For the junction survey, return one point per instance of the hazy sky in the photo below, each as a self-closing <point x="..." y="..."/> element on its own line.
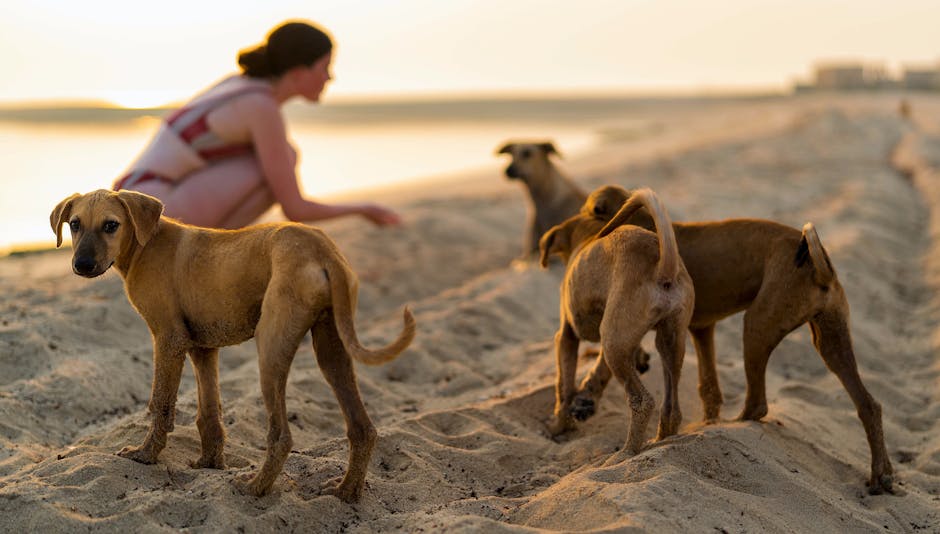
<point x="151" y="53"/>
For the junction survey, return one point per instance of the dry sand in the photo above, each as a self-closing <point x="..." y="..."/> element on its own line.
<point x="461" y="414"/>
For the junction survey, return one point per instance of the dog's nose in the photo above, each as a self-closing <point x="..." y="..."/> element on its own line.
<point x="511" y="171"/>
<point x="84" y="265"/>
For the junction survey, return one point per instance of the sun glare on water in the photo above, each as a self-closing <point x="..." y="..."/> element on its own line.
<point x="141" y="99"/>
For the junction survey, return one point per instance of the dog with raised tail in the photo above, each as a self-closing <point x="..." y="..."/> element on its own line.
<point x="200" y="289"/>
<point x="616" y="288"/>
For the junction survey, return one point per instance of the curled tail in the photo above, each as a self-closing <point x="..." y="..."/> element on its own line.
<point x="667" y="269"/>
<point x="342" y="293"/>
<point x="824" y="273"/>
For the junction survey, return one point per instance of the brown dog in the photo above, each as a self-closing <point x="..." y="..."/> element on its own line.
<point x="616" y="289"/>
<point x="783" y="278"/>
<point x="200" y="289"/>
<point x="552" y="197"/>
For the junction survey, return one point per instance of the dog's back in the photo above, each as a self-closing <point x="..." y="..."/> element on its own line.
<point x="728" y="259"/>
<point x="605" y="272"/>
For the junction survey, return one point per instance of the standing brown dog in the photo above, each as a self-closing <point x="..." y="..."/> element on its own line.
<point x="552" y="196"/>
<point x="616" y="289"/>
<point x="783" y="278"/>
<point x="201" y="289"/>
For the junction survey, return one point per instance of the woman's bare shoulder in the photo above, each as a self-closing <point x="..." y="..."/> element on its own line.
<point x="260" y="103"/>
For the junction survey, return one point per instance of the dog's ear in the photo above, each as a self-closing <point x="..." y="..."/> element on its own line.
<point x="59" y="215"/>
<point x="144" y="212"/>
<point x="506" y="149"/>
<point x="549" y="148"/>
<point x="604" y="202"/>
<point x="548" y="245"/>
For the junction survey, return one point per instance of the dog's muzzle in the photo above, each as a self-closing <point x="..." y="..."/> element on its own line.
<point x="512" y="173"/>
<point x="87" y="267"/>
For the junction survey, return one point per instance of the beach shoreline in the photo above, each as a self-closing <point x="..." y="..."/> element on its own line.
<point x="348" y="151"/>
<point x="461" y="414"/>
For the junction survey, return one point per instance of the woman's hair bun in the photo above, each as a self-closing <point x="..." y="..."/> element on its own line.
<point x="254" y="62"/>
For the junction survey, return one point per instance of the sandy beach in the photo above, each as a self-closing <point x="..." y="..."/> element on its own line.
<point x="461" y="414"/>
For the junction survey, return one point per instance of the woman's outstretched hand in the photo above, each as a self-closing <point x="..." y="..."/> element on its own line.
<point x="379" y="215"/>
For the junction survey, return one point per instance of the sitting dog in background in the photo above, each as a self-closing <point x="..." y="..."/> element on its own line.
<point x="553" y="198"/>
<point x="781" y="278"/>
<point x="200" y="289"/>
<point x="617" y="288"/>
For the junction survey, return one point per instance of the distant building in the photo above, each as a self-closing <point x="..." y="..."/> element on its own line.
<point x="844" y="77"/>
<point x="849" y="77"/>
<point x="859" y="76"/>
<point x="921" y="79"/>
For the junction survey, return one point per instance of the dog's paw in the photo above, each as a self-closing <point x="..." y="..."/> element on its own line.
<point x="559" y="425"/>
<point x="345" y="492"/>
<point x="139" y="454"/>
<point x="582" y="408"/>
<point x="712" y="414"/>
<point x="881" y="484"/>
<point x="249" y="485"/>
<point x="215" y="462"/>
<point x="753" y="413"/>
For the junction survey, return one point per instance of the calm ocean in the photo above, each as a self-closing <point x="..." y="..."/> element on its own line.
<point x="51" y="153"/>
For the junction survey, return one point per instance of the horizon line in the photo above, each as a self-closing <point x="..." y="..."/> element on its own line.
<point x="432" y="96"/>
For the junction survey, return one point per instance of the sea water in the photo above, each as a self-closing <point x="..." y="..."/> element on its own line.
<point x="50" y="154"/>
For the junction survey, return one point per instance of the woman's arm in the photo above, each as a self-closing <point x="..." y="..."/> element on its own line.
<point x="278" y="165"/>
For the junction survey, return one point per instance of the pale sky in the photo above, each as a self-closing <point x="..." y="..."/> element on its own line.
<point x="152" y="53"/>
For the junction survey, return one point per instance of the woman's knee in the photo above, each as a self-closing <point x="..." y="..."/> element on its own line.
<point x="206" y="197"/>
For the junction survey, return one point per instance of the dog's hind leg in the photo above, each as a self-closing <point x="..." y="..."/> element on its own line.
<point x="277" y="337"/>
<point x="670" y="342"/>
<point x="337" y="368"/>
<point x="708" y="388"/>
<point x="209" y="418"/>
<point x="167" y="370"/>
<point x="566" y="362"/>
<point x="619" y="351"/>
<point x="834" y="343"/>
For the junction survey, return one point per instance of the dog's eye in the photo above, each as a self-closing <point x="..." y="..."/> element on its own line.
<point x="75" y="225"/>
<point x="526" y="153"/>
<point x="110" y="227"/>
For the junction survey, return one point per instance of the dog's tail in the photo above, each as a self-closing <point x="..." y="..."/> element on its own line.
<point x="343" y="295"/>
<point x="824" y="273"/>
<point x="668" y="268"/>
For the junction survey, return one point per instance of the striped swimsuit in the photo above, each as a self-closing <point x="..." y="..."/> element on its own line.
<point x="190" y="124"/>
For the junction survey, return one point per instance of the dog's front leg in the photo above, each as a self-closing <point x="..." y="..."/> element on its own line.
<point x="708" y="388"/>
<point x="167" y="369"/>
<point x="566" y="354"/>
<point x="530" y="245"/>
<point x="209" y="417"/>
<point x="584" y="405"/>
